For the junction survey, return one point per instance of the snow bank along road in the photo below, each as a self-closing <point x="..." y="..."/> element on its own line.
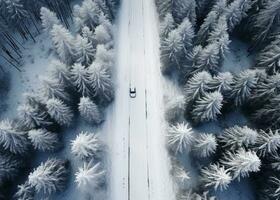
<point x="139" y="162"/>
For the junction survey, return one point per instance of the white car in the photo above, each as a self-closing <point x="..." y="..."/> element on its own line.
<point x="132" y="92"/>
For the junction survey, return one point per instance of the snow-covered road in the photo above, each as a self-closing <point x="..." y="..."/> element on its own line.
<point x="139" y="160"/>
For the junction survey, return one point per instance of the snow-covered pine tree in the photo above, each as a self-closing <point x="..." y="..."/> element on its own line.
<point x="179" y="173"/>
<point x="12" y="140"/>
<point x="215" y="176"/>
<point x="61" y="72"/>
<point x="87" y="146"/>
<point x="204" y="145"/>
<point x="31" y="116"/>
<point x="190" y="195"/>
<point x="180" y="137"/>
<point x="172" y="50"/>
<point x="273" y="190"/>
<point x="101" y="35"/>
<point x="242" y="87"/>
<point x="88" y="34"/>
<point x="63" y="43"/>
<point x="166" y="26"/>
<point x="241" y="163"/>
<point x="101" y="82"/>
<point x="49" y="177"/>
<point x="270" y="113"/>
<point x="103" y="55"/>
<point x="197" y="86"/>
<point x="186" y="31"/>
<point x="269" y="57"/>
<point x="202" y="8"/>
<point x="208" y="59"/>
<point x="84" y="51"/>
<point x="60" y="112"/>
<point x="81" y="79"/>
<point x="52" y="88"/>
<point x="236" y="11"/>
<point x="48" y="18"/>
<point x="90" y="176"/>
<point x="174" y="102"/>
<point x="210" y="21"/>
<point x="266" y="22"/>
<point x="268" y="142"/>
<point x="274" y="161"/>
<point x="207" y="107"/>
<point x="9" y="167"/>
<point x="182" y="9"/>
<point x="113" y="5"/>
<point x="266" y="89"/>
<point x="219" y="30"/>
<point x="86" y="15"/>
<point x="222" y="82"/>
<point x="237" y="137"/>
<point x="43" y="140"/>
<point x="90" y="111"/>
<point x="190" y="61"/>
<point x="25" y="192"/>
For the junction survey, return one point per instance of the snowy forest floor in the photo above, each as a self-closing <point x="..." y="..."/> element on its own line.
<point x="35" y="62"/>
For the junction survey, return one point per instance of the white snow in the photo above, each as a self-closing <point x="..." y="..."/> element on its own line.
<point x="135" y="127"/>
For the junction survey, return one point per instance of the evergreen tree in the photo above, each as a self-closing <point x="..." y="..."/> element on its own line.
<point x="90" y="176"/>
<point x="113" y="5"/>
<point x="208" y="59"/>
<point x="101" y="35"/>
<point x="43" y="140"/>
<point x="59" y="111"/>
<point x="197" y="86"/>
<point x="207" y="107"/>
<point x="84" y="51"/>
<point x="166" y="26"/>
<point x="63" y="43"/>
<point x="103" y="55"/>
<point x="266" y="22"/>
<point x="172" y="49"/>
<point x="81" y="79"/>
<point x="243" y="85"/>
<point x="87" y="146"/>
<point x="90" y="111"/>
<point x="216" y="176"/>
<point x="190" y="195"/>
<point x="180" y="137"/>
<point x="210" y="22"/>
<point x="25" y="192"/>
<point x="266" y="89"/>
<point x="60" y="71"/>
<point x="237" y="137"/>
<point x="273" y="190"/>
<point x="49" y="177"/>
<point x="241" y="163"/>
<point x="270" y="113"/>
<point x="9" y="167"/>
<point x="52" y="88"/>
<point x="186" y="31"/>
<point x="88" y="34"/>
<point x="12" y="140"/>
<point x="222" y="82"/>
<point x="179" y="173"/>
<point x="269" y="57"/>
<point x="184" y="9"/>
<point x="236" y="11"/>
<point x="205" y="145"/>
<point x="101" y="82"/>
<point x="268" y="142"/>
<point x="86" y="15"/>
<point x="48" y="18"/>
<point x="32" y="116"/>
<point x="174" y="102"/>
<point x="219" y="30"/>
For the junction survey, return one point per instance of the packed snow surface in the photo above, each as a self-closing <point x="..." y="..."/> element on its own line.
<point x="135" y="126"/>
